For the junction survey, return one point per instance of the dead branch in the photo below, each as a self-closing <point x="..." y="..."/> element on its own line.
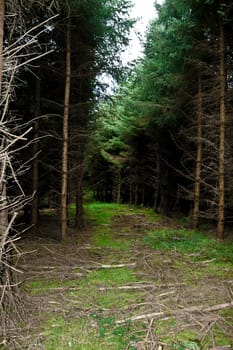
<point x="16" y="55"/>
<point x="115" y="266"/>
<point x="191" y="309"/>
<point x="224" y="347"/>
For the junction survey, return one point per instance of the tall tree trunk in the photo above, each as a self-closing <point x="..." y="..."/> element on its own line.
<point x="64" y="182"/>
<point x="136" y="193"/>
<point x="143" y="195"/>
<point x="3" y="189"/>
<point x="196" y="204"/>
<point x="118" y="197"/>
<point x="2" y="11"/>
<point x="221" y="203"/>
<point x="136" y="185"/>
<point x="79" y="198"/>
<point x="116" y="191"/>
<point x="156" y="190"/>
<point x="35" y="168"/>
<point x="130" y="191"/>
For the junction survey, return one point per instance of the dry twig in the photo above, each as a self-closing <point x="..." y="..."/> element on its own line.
<point x="161" y="314"/>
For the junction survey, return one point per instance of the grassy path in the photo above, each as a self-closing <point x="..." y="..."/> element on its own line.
<point x="133" y="282"/>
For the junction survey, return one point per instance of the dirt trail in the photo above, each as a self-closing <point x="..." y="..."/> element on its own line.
<point x="155" y="299"/>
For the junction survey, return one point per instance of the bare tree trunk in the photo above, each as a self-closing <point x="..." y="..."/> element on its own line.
<point x="156" y="192"/>
<point x="3" y="197"/>
<point x="64" y="186"/>
<point x="79" y="198"/>
<point x="35" y="168"/>
<point x="221" y="203"/>
<point x="10" y="167"/>
<point x="143" y="195"/>
<point x="2" y="11"/>
<point x="136" y="185"/>
<point x="130" y="192"/>
<point x="136" y="194"/>
<point x="118" y="185"/>
<point x="3" y="200"/>
<point x="196" y="206"/>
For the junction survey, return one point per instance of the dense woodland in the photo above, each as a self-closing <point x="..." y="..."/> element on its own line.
<point x="162" y="139"/>
<point x="156" y="133"/>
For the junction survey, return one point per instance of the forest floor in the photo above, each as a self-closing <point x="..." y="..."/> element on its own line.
<point x="131" y="280"/>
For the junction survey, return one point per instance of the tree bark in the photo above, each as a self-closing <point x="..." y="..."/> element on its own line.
<point x="119" y="186"/>
<point x="35" y="167"/>
<point x="130" y="191"/>
<point x="196" y="204"/>
<point x="79" y="198"/>
<point x="221" y="201"/>
<point x="3" y="187"/>
<point x="64" y="182"/>
<point x="2" y="11"/>
<point x="156" y="190"/>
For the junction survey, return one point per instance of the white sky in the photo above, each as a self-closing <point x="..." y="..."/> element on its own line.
<point x="145" y="11"/>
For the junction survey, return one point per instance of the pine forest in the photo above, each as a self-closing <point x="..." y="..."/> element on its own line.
<point x="116" y="190"/>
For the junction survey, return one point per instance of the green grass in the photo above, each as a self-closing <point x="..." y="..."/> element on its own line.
<point x="190" y="242"/>
<point x="94" y="301"/>
<point x="93" y="333"/>
<point x="176" y="338"/>
<point x="150" y="214"/>
<point x="96" y="331"/>
<point x="42" y="286"/>
<point x="61" y="334"/>
<point x="179" y="342"/>
<point x="92" y="296"/>
<point x="191" y="340"/>
<point x="103" y="277"/>
<point x="112" y="300"/>
<point x="105" y="239"/>
<point x="109" y="277"/>
<point x="101" y="213"/>
<point x="183" y="340"/>
<point x="201" y="257"/>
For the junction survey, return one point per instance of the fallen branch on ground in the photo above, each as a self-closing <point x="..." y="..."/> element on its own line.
<point x="91" y="267"/>
<point x="138" y="286"/>
<point x="224" y="347"/>
<point x="103" y="289"/>
<point x="191" y="309"/>
<point x="116" y="266"/>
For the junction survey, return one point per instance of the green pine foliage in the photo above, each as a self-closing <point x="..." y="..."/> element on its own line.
<point x="148" y="130"/>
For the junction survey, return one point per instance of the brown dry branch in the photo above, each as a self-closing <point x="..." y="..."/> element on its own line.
<point x="80" y="267"/>
<point x="224" y="347"/>
<point x="149" y="334"/>
<point x="115" y="266"/>
<point x="103" y="289"/>
<point x="15" y="56"/>
<point x="161" y="314"/>
<point x="208" y="327"/>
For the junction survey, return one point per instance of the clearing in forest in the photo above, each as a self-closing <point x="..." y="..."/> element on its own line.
<point x="131" y="280"/>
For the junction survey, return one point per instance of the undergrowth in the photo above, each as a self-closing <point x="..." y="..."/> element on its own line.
<point x="81" y="335"/>
<point x="100" y="213"/>
<point x="194" y="243"/>
<point x="94" y="302"/>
